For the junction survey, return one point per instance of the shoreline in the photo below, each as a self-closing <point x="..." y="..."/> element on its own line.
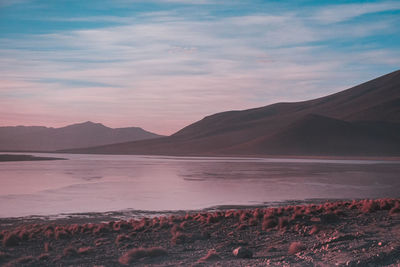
<point x="389" y="159"/>
<point x="354" y="233"/>
<point x="113" y="215"/>
<point x="24" y="157"/>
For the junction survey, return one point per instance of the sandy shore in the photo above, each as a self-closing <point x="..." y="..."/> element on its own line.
<point x="345" y="233"/>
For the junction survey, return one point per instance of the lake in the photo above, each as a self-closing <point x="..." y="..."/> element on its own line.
<point x="100" y="183"/>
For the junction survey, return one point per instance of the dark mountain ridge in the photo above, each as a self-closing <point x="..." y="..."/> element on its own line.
<point x="361" y="121"/>
<point x="40" y="138"/>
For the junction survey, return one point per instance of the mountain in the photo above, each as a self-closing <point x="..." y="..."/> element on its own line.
<point x="361" y="121"/>
<point x="39" y="138"/>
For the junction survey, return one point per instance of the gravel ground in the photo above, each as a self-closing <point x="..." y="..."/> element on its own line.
<point x="343" y="233"/>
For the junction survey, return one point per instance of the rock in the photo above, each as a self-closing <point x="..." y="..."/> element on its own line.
<point x="242" y="252"/>
<point x="295" y="247"/>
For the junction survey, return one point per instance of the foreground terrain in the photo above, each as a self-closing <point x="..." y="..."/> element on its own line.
<point x="352" y="233"/>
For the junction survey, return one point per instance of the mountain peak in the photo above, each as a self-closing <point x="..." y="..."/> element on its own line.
<point x="363" y="120"/>
<point x="87" y="124"/>
<point x="77" y="135"/>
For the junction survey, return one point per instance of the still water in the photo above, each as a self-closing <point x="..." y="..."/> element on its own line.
<point x="98" y="183"/>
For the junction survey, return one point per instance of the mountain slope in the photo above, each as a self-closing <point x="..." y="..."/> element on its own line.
<point x="363" y="120"/>
<point x="38" y="138"/>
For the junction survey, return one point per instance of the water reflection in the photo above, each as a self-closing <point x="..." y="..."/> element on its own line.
<point x="88" y="183"/>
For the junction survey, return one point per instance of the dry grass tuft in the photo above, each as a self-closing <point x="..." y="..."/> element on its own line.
<point x="122" y="238"/>
<point x="212" y="255"/>
<point x="85" y="250"/>
<point x="139" y="253"/>
<point x="11" y="240"/>
<point x="70" y="252"/>
<point x="269" y="223"/>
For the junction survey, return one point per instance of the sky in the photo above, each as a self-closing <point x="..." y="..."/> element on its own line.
<point x="163" y="64"/>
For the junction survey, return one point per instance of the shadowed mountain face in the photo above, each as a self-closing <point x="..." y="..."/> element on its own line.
<point x="38" y="138"/>
<point x="363" y="121"/>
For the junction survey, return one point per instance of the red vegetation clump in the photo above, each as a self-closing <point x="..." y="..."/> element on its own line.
<point x="384" y="204"/>
<point x="175" y="229"/>
<point x="283" y="222"/>
<point x="100" y="242"/>
<point x="395" y="209"/>
<point x="142" y="225"/>
<point x="270" y="213"/>
<point x="258" y="214"/>
<point x="139" y="253"/>
<point x="122" y="238"/>
<point x="70" y="252"/>
<point x="368" y="206"/>
<point x="61" y="234"/>
<point x="297" y="214"/>
<point x="213" y="218"/>
<point x="314" y="229"/>
<point x="310" y="210"/>
<point x="101" y="229"/>
<point x="85" y="250"/>
<point x="74" y="228"/>
<point x="253" y="221"/>
<point x="269" y="223"/>
<point x="10" y="240"/>
<point x="295" y="247"/>
<point x="230" y="214"/>
<point x="117" y="226"/>
<point x="184" y="224"/>
<point x="155" y="222"/>
<point x="49" y="233"/>
<point x="353" y="205"/>
<point x="181" y="238"/>
<point x="23" y="234"/>
<point x="244" y="216"/>
<point x="242" y="226"/>
<point x="164" y="223"/>
<point x="280" y="211"/>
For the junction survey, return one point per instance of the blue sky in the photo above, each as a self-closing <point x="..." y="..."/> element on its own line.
<point x="162" y="64"/>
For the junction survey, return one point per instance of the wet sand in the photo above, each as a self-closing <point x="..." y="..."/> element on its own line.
<point x="345" y="233"/>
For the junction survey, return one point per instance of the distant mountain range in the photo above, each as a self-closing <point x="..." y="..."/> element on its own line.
<point x="360" y="121"/>
<point x="39" y="138"/>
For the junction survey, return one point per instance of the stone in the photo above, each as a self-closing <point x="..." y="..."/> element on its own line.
<point x="242" y="252"/>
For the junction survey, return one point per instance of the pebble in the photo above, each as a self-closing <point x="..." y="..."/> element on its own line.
<point x="242" y="252"/>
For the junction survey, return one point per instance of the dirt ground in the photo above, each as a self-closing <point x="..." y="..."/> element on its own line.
<point x="344" y="233"/>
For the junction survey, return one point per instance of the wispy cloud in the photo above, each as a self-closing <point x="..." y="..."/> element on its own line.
<point x="344" y="12"/>
<point x="166" y="68"/>
<point x="5" y="3"/>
